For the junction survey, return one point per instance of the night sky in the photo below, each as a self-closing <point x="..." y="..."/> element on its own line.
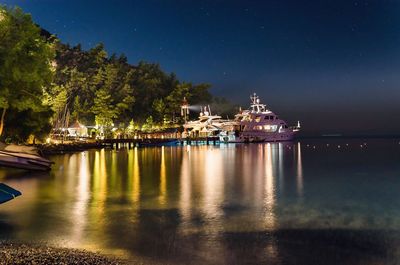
<point x="333" y="65"/>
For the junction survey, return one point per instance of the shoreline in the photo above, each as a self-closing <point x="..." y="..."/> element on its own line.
<point x="55" y="149"/>
<point x="36" y="253"/>
<point x="72" y="147"/>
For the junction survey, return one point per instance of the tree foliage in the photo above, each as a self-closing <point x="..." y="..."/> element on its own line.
<point x="106" y="90"/>
<point x="39" y="75"/>
<point x="25" y="68"/>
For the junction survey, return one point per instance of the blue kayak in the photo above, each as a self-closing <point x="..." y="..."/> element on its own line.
<point x="7" y="193"/>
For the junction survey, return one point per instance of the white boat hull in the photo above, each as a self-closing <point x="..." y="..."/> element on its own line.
<point x="24" y="161"/>
<point x="256" y="137"/>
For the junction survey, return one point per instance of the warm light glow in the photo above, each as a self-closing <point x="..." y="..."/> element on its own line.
<point x="136" y="177"/>
<point x="213" y="188"/>
<point x="269" y="199"/>
<point x="299" y="171"/>
<point x="186" y="186"/>
<point x="99" y="180"/>
<point x="280" y="166"/>
<point x="82" y="197"/>
<point x="163" y="178"/>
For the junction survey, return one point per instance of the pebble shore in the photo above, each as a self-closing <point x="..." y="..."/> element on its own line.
<point x="18" y="253"/>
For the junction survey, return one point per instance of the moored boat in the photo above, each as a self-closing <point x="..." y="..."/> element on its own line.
<point x="206" y="125"/>
<point x="23" y="157"/>
<point x="257" y="124"/>
<point x="7" y="193"/>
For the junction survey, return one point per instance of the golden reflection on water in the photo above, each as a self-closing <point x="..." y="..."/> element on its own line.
<point x="136" y="177"/>
<point x="271" y="157"/>
<point x="99" y="191"/>
<point x="213" y="186"/>
<point x="269" y="199"/>
<point x="299" y="177"/>
<point x="114" y="178"/>
<point x="133" y="181"/>
<point x="280" y="172"/>
<point x="214" y="189"/>
<point x="163" y="179"/>
<point x="83" y="195"/>
<point x="185" y="186"/>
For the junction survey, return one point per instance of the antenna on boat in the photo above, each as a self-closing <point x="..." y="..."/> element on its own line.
<point x="254" y="99"/>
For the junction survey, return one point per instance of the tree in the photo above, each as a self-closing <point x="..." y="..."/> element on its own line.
<point x="200" y="94"/>
<point x="25" y="64"/>
<point x="174" y="99"/>
<point x="136" y="91"/>
<point x="32" y="124"/>
<point x="103" y="109"/>
<point x="159" y="108"/>
<point x="77" y="109"/>
<point x="132" y="128"/>
<point x="148" y="125"/>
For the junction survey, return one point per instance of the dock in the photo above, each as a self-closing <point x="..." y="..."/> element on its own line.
<point x="131" y="143"/>
<point x="117" y="143"/>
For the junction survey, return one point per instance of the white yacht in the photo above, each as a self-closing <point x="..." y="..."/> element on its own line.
<point x="206" y="125"/>
<point x="257" y="124"/>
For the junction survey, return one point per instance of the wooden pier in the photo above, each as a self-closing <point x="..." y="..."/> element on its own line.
<point x="131" y="143"/>
<point x="67" y="147"/>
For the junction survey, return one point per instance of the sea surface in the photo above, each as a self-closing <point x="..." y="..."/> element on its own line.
<point x="326" y="201"/>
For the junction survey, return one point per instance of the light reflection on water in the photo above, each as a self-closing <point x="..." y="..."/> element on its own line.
<point x="212" y="203"/>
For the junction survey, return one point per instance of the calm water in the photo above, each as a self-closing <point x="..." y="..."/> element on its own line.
<point x="309" y="202"/>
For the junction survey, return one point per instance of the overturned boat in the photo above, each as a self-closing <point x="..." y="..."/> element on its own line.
<point x="7" y="193"/>
<point x="23" y="157"/>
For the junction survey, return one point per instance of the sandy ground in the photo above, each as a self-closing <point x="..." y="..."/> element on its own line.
<point x="18" y="253"/>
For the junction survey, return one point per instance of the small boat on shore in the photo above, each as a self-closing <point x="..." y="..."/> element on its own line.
<point x="23" y="157"/>
<point x="7" y="193"/>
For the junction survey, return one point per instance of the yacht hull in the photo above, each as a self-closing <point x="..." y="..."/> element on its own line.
<point x="257" y="137"/>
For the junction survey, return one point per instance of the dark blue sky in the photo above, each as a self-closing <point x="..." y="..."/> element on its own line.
<point x="332" y="64"/>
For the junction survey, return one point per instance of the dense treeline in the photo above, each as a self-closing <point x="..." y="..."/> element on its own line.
<point x="46" y="84"/>
<point x="25" y="70"/>
<point x="102" y="89"/>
